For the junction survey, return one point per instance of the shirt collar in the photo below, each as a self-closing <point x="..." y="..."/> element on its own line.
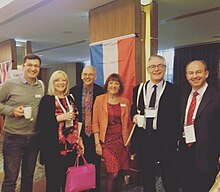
<point x="25" y="81"/>
<point x="159" y="85"/>
<point x="84" y="89"/>
<point x="202" y="90"/>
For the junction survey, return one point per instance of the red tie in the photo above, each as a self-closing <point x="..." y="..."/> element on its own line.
<point x="191" y="110"/>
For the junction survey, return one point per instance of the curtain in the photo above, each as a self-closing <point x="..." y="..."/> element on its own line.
<point x="210" y="53"/>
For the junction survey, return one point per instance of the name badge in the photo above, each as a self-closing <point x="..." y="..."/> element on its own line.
<point x="37" y="96"/>
<point x="150" y="112"/>
<point x="123" y="105"/>
<point x="68" y="123"/>
<point x="189" y="132"/>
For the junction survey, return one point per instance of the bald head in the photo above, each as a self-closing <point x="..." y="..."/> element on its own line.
<point x="89" y="68"/>
<point x="88" y="75"/>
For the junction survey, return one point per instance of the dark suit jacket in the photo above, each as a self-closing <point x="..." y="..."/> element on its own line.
<point x="77" y="93"/>
<point x="167" y="120"/>
<point x="207" y="129"/>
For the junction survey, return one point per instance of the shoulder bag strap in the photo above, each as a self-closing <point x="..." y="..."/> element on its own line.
<point x="42" y="85"/>
<point x="138" y="95"/>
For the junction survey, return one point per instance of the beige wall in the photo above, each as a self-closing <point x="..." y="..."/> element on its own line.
<point x="69" y="68"/>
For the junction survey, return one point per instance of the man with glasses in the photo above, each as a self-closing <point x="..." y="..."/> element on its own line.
<point x="200" y="119"/>
<point x="85" y="95"/>
<point x="155" y="110"/>
<point x="20" y="145"/>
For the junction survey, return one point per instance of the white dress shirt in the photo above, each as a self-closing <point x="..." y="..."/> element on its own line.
<point x="150" y="90"/>
<point x="201" y="91"/>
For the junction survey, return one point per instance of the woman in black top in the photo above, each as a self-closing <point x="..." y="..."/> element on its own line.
<point x="59" y="137"/>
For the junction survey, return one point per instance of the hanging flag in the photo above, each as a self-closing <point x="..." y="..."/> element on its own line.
<point x="115" y="56"/>
<point x="5" y="68"/>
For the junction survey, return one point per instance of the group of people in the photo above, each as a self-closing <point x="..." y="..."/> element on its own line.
<point x="180" y="135"/>
<point x="175" y="135"/>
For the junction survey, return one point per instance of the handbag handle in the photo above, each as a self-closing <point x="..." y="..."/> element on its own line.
<point x="76" y="164"/>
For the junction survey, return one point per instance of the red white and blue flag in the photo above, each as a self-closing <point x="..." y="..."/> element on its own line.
<point x="5" y="68"/>
<point x="115" y="55"/>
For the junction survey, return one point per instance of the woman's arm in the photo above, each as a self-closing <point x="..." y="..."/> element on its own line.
<point x="98" y="146"/>
<point x="96" y="128"/>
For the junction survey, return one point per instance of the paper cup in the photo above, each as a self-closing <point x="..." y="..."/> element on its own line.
<point x="140" y="120"/>
<point x="27" y="112"/>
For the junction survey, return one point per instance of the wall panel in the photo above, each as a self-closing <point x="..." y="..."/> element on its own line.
<point x="8" y="52"/>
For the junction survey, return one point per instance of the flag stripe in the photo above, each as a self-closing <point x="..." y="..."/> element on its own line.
<point x="126" y="51"/>
<point x="115" y="56"/>
<point x="110" y="58"/>
<point x="96" y="54"/>
<point x="5" y="68"/>
<point x="4" y="71"/>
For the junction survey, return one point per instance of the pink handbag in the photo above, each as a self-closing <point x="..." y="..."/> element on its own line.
<point x="80" y="177"/>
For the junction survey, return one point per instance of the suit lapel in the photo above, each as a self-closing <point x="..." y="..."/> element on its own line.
<point x="105" y="103"/>
<point x="141" y="104"/>
<point x="94" y="92"/>
<point x="204" y="102"/>
<point x="183" y="107"/>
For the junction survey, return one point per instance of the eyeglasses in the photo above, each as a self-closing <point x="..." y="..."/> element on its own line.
<point x="159" y="66"/>
<point x="29" y="65"/>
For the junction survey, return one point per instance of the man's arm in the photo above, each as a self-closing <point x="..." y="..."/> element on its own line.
<point x="133" y="113"/>
<point x="4" y="97"/>
<point x="134" y="103"/>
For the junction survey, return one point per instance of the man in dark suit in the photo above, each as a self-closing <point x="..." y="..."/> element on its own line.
<point x="85" y="95"/>
<point x="199" y="144"/>
<point x="155" y="140"/>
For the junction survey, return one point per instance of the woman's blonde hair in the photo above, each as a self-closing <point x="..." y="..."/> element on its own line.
<point x="54" y="77"/>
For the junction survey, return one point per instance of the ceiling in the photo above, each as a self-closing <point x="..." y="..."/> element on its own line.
<point x="58" y="29"/>
<point x="188" y="22"/>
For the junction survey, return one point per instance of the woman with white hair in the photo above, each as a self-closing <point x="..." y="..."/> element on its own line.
<point x="58" y="126"/>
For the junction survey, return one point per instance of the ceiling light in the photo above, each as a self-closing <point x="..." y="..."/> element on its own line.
<point x="4" y="3"/>
<point x="146" y="2"/>
<point x="21" y="40"/>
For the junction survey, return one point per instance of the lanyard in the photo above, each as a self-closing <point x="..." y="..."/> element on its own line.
<point x="157" y="101"/>
<point x="62" y="107"/>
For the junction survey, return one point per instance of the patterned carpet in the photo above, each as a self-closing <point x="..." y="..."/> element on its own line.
<point x="39" y="179"/>
<point x="159" y="187"/>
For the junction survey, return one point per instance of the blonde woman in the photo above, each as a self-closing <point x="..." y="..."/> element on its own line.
<point x="58" y="126"/>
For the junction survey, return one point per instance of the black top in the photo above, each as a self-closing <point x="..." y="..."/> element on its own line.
<point x="48" y="129"/>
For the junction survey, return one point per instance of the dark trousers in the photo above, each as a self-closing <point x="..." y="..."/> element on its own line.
<point x="56" y="172"/>
<point x="150" y="153"/>
<point x="19" y="150"/>
<point x="92" y="157"/>
<point x="190" y="177"/>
